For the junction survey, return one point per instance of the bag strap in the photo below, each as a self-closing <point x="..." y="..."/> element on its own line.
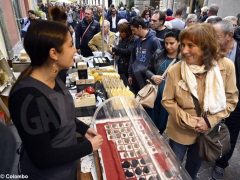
<point x="165" y="72"/>
<point x="198" y="110"/>
<point x="86" y="30"/>
<point x="197" y="106"/>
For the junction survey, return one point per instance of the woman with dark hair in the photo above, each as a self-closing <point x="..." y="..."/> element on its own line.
<point x="123" y="50"/>
<point x="58" y="14"/>
<point x="42" y="108"/>
<point x="146" y="15"/>
<point x="158" y="65"/>
<point x="204" y="74"/>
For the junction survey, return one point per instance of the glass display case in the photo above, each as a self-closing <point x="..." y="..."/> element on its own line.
<point x="133" y="147"/>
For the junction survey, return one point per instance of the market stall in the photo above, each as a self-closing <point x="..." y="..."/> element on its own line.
<point x="132" y="147"/>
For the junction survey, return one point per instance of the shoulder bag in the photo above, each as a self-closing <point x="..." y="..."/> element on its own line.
<point x="148" y="94"/>
<point x="215" y="143"/>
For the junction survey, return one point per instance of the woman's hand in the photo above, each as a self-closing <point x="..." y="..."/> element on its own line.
<point x="110" y="48"/>
<point x="201" y="126"/>
<point x="95" y="138"/>
<point x="91" y="133"/>
<point x="96" y="142"/>
<point x="157" y="79"/>
<point x="130" y="80"/>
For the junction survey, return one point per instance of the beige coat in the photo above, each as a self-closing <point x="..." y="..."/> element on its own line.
<point x="178" y="102"/>
<point x="95" y="43"/>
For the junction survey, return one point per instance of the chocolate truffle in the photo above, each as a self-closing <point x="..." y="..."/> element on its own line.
<point x="122" y="130"/>
<point x="119" y="141"/>
<point x="138" y="171"/>
<point x="118" y="135"/>
<point x="126" y="124"/>
<point x="168" y="174"/>
<point x="133" y="140"/>
<point x="134" y="163"/>
<point x="128" y="173"/>
<point x="151" y="178"/>
<point x="150" y="143"/>
<point x="142" y="161"/>
<point x="158" y="177"/>
<point x="132" y="154"/>
<point x="136" y="146"/>
<point x="145" y="169"/>
<point x="139" y="152"/>
<point x="126" y="164"/>
<point x="121" y="148"/>
<point x="115" y="131"/>
<point x="126" y="140"/>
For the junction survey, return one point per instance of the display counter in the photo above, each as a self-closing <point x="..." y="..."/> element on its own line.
<point x="133" y="147"/>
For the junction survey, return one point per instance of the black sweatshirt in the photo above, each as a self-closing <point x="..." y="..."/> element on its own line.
<point x="47" y="135"/>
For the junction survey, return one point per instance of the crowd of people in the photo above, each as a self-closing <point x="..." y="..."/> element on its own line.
<point x="206" y="53"/>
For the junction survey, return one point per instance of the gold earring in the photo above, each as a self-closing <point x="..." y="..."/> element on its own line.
<point x="55" y="70"/>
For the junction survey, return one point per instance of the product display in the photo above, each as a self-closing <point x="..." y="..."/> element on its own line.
<point x="82" y="84"/>
<point x="101" y="61"/>
<point x="3" y="77"/>
<point x="85" y="100"/>
<point x="23" y="57"/>
<point x="132" y="146"/>
<point x="114" y="85"/>
<point x="6" y="75"/>
<point x="97" y="73"/>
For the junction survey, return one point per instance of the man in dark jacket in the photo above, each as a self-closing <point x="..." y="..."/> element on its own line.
<point x="144" y="47"/>
<point x="231" y="48"/>
<point x="85" y="31"/>
<point x="113" y="19"/>
<point x="157" y="24"/>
